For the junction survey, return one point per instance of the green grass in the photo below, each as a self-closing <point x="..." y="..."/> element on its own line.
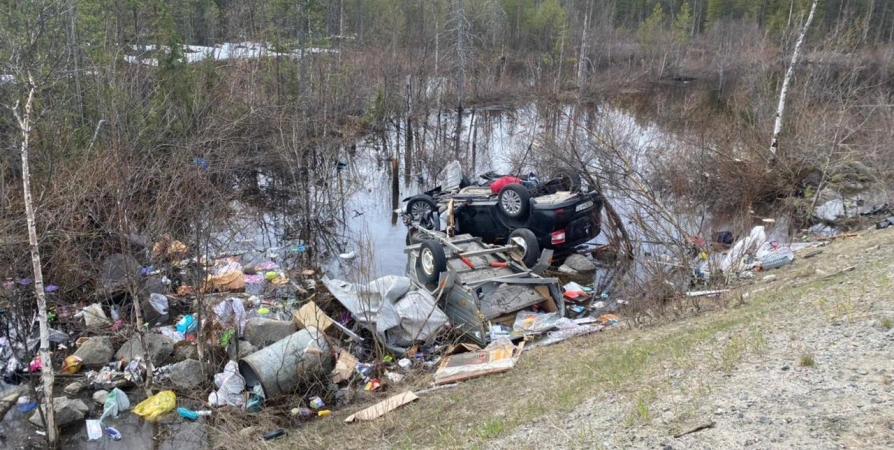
<point x="887" y="323"/>
<point x="491" y="428"/>
<point x="807" y="361"/>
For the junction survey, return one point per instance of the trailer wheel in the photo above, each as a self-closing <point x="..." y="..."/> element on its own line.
<point x="514" y="201"/>
<point x="420" y="208"/>
<point x="525" y="246"/>
<point x="432" y="261"/>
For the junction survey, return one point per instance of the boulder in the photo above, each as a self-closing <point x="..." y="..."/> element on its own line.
<point x="580" y="263"/>
<point x="96" y="352"/>
<point x="100" y="396"/>
<point x="75" y="388"/>
<point x="186" y="374"/>
<point x="68" y="411"/>
<point x="831" y="211"/>
<point x="260" y="331"/>
<point x="245" y="349"/>
<point x="186" y="350"/>
<point x="159" y="348"/>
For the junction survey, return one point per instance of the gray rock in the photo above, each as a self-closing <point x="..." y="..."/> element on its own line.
<point x="831" y="211"/>
<point x="769" y="278"/>
<point x="96" y="352"/>
<point x="245" y="349"/>
<point x="75" y="388"/>
<point x="185" y="435"/>
<point x="100" y="397"/>
<point x="68" y="411"/>
<point x="261" y="332"/>
<point x="159" y="348"/>
<point x="565" y="269"/>
<point x="186" y="351"/>
<point x="580" y="263"/>
<point x="186" y="374"/>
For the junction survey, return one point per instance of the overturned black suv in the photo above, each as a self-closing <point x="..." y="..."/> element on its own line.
<point x="560" y="214"/>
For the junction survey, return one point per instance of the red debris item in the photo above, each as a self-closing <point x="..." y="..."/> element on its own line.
<point x="372" y="385"/>
<point x="501" y="182"/>
<point x="467" y="262"/>
<point x="36" y="365"/>
<point x="499" y="264"/>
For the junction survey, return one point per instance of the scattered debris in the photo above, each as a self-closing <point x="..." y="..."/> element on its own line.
<point x="382" y="408"/>
<point x="712" y="293"/>
<point x="497" y="359"/>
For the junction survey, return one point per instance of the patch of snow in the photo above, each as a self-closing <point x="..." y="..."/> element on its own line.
<point x="223" y="52"/>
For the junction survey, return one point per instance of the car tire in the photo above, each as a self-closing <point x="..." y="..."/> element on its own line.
<point x="432" y="261"/>
<point x="514" y="201"/>
<point x="419" y="206"/>
<point x="529" y="245"/>
<point x="571" y="179"/>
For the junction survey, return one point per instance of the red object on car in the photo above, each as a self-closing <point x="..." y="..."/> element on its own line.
<point x="500" y="182"/>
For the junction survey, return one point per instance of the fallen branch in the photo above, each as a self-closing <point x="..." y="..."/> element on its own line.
<point x="696" y="429"/>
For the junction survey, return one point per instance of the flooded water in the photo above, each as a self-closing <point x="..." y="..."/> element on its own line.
<point x="505" y="141"/>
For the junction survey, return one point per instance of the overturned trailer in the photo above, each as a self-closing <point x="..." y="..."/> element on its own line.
<point x="477" y="284"/>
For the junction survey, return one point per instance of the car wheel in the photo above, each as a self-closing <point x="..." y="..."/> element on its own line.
<point x="525" y="246"/>
<point x="420" y="208"/>
<point x="514" y="201"/>
<point x="570" y="179"/>
<point x="432" y="261"/>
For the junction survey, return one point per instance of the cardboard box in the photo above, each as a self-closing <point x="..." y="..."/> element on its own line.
<point x="310" y="315"/>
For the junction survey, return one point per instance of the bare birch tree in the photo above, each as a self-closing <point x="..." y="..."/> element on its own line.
<point x="777" y="128"/>
<point x="23" y="120"/>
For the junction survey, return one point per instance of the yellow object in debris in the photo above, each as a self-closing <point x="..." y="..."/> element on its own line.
<point x="71" y="365"/>
<point x="324" y="413"/>
<point x="156" y="406"/>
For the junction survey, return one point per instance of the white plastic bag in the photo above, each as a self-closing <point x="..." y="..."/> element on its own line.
<point x="230" y="386"/>
<point x="116" y="403"/>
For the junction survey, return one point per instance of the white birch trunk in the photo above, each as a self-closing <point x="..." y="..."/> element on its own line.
<point x="777" y="128"/>
<point x="46" y="372"/>
<point x="581" y="60"/>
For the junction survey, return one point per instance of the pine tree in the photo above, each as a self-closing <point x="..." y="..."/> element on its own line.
<point x="683" y="23"/>
<point x="651" y="28"/>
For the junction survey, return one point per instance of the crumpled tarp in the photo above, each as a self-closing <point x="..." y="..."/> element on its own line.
<point x="388" y="308"/>
<point x="733" y="261"/>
